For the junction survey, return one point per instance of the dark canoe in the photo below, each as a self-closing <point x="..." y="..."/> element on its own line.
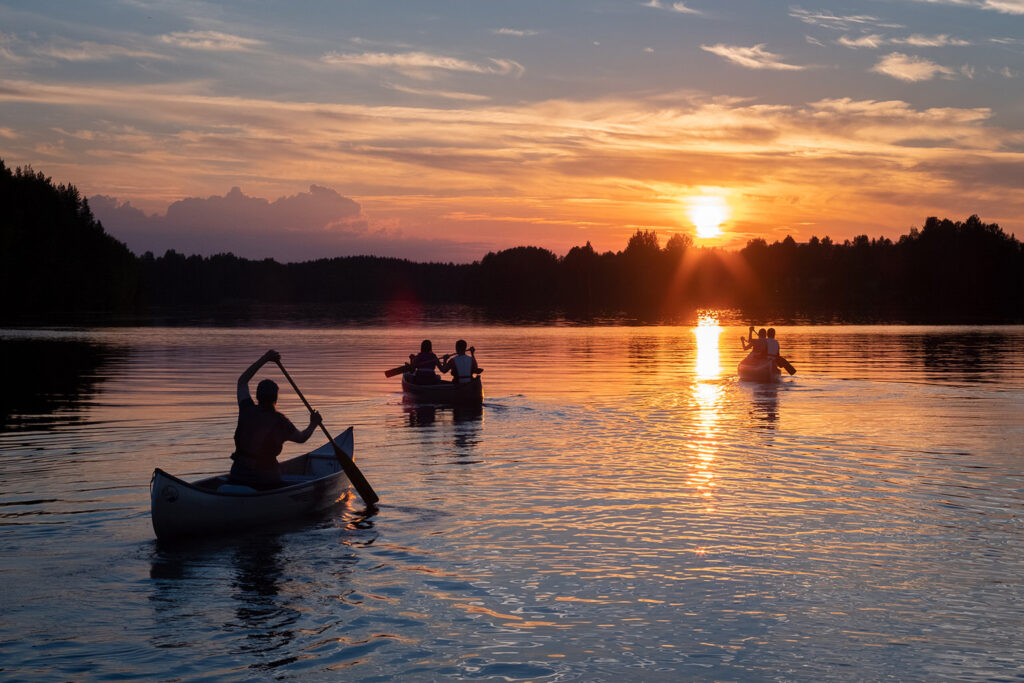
<point x="314" y="482"/>
<point x="758" y="369"/>
<point x="444" y="392"/>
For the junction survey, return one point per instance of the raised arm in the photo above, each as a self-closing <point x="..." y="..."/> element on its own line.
<point x="250" y="372"/>
<point x="303" y="436"/>
<point x="748" y="343"/>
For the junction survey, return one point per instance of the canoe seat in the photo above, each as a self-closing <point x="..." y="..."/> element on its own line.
<point x="235" y="488"/>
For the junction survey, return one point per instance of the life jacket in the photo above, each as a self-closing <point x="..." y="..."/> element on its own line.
<point x="463" y="366"/>
<point x="771" y="346"/>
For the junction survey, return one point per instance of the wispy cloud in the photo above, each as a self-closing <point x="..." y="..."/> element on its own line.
<point x="911" y="68"/>
<point x="836" y="22"/>
<point x="755" y="57"/>
<point x="682" y="8"/>
<point x="18" y="50"/>
<point x="92" y="52"/>
<point x="8" y="54"/>
<point x="678" y="7"/>
<point x="1001" y="6"/>
<point x="876" y="40"/>
<point x="214" y="41"/>
<point x="446" y="94"/>
<point x="941" y="40"/>
<point x="421" y="64"/>
<point x="872" y="41"/>
<point x="517" y="32"/>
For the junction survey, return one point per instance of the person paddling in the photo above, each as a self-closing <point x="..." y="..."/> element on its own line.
<point x="262" y="431"/>
<point x="758" y="346"/>
<point x="460" y="365"/>
<point x="423" y="364"/>
<point x="773" y="351"/>
<point x="771" y="345"/>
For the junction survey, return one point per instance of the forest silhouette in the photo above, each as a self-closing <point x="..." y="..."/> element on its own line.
<point x="56" y="260"/>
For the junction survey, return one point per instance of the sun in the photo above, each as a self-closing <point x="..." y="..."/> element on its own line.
<point x="708" y="212"/>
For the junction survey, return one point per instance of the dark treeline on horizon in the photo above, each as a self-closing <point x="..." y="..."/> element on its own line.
<point x="56" y="259"/>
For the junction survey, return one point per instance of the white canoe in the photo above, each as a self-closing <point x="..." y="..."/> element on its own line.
<point x="314" y="482"/>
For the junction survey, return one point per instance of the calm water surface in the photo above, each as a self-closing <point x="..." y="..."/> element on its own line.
<point x="621" y="509"/>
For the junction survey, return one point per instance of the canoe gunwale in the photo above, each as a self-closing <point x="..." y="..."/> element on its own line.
<point x="255" y="493"/>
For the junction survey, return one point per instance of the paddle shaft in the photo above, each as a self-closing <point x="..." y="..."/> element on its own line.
<point x="398" y="371"/>
<point x="362" y="486"/>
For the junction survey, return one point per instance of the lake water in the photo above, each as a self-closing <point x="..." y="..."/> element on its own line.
<point x="622" y="508"/>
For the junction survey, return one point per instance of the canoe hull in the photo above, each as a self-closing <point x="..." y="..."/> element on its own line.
<point x="753" y="369"/>
<point x="444" y="392"/>
<point x="213" y="506"/>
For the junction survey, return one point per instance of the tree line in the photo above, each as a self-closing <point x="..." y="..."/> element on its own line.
<point x="55" y="258"/>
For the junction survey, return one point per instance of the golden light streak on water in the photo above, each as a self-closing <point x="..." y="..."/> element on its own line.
<point x="707" y="396"/>
<point x="708" y="331"/>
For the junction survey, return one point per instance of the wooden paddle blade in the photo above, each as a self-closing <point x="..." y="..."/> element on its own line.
<point x="398" y="371"/>
<point x="355" y="476"/>
<point x="784" y="364"/>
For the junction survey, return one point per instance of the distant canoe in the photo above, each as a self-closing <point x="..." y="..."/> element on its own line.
<point x="758" y="369"/>
<point x="444" y="392"/>
<point x="314" y="482"/>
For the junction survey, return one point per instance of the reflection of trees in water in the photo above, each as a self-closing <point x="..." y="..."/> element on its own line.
<point x="45" y="376"/>
<point x="969" y="357"/>
<point x="466" y="420"/>
<point x="642" y="351"/>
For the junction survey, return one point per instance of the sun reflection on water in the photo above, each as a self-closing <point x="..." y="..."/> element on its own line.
<point x="708" y="330"/>
<point x="707" y="395"/>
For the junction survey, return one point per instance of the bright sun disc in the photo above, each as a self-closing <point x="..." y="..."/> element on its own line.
<point x="708" y="214"/>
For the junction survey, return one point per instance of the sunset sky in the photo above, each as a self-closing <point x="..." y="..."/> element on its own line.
<point x="443" y="130"/>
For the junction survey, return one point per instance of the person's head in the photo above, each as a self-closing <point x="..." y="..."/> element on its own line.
<point x="771" y="333"/>
<point x="460" y="346"/>
<point x="266" y="392"/>
<point x="762" y="333"/>
<point x="426" y="346"/>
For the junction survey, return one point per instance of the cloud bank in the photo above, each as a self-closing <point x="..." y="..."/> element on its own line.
<point x="306" y="226"/>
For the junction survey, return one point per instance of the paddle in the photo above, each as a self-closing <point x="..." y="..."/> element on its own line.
<point x="398" y="371"/>
<point x="784" y="364"/>
<point x="363" y="487"/>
